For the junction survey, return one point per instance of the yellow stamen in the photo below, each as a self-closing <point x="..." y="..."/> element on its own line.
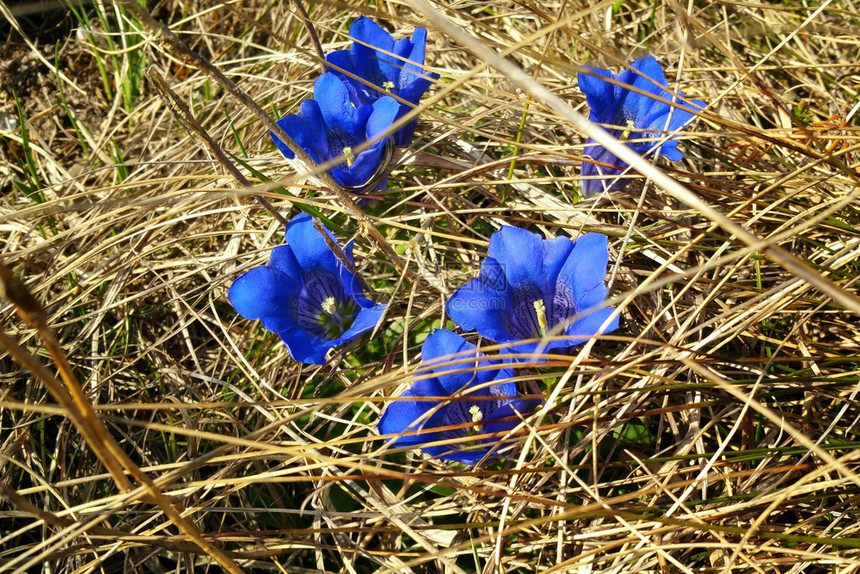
<point x="329" y="305"/>
<point x="388" y="86"/>
<point x="350" y="157"/>
<point x="540" y="309"/>
<point x="477" y="415"/>
<point x="626" y="133"/>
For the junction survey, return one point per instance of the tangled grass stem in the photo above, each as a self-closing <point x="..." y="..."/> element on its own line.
<point x="714" y="430"/>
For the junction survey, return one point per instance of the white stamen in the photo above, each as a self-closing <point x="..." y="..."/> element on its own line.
<point x="477" y="415"/>
<point x="329" y="305"/>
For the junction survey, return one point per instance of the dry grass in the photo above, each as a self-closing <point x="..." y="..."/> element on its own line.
<point x="715" y="431"/>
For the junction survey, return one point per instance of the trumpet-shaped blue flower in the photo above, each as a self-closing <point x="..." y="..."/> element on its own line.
<point x="530" y="287"/>
<point x="466" y="398"/>
<point x="638" y="119"/>
<point x="329" y="126"/>
<point x="386" y="66"/>
<point x="305" y="295"/>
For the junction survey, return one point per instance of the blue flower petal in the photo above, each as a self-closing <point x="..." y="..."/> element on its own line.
<point x="411" y="93"/>
<point x="495" y="424"/>
<point x="650" y="78"/>
<point x="474" y="454"/>
<point x="522" y="252"/>
<point x="263" y="292"/>
<point x="305" y="348"/>
<point x="398" y="66"/>
<point x="401" y="416"/>
<point x="281" y="323"/>
<point x="368" y="163"/>
<point x="589" y="325"/>
<point x="600" y="95"/>
<point x="443" y="343"/>
<point x="484" y="303"/>
<point x="685" y="117"/>
<point x="284" y="260"/>
<point x="351" y="286"/>
<point x="414" y="66"/>
<point x="309" y="247"/>
<point x="505" y="387"/>
<point x="608" y="179"/>
<point x="671" y="152"/>
<point x="344" y="124"/>
<point x="385" y="111"/>
<point x="361" y="171"/>
<point x="341" y="59"/>
<point x="679" y="120"/>
<point x="426" y="384"/>
<point x="366" y="320"/>
<point x="369" y="34"/>
<point x="583" y="276"/>
<point x="471" y="456"/>
<point x="531" y="265"/>
<point x="439" y="348"/>
<point x="640" y="108"/>
<point x="307" y="130"/>
<point x="369" y="58"/>
<point x="556" y="252"/>
<point x="285" y="124"/>
<point x="403" y="136"/>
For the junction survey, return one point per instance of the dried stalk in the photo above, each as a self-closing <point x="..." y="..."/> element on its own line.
<point x="81" y="412"/>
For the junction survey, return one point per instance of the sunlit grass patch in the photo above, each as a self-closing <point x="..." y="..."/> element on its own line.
<point x="713" y="430"/>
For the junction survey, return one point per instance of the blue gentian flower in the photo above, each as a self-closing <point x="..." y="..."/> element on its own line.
<point x="388" y="66"/>
<point x="475" y="398"/>
<point x="530" y="287"/>
<point x="635" y="118"/>
<point x="305" y="295"/>
<point x="329" y="126"/>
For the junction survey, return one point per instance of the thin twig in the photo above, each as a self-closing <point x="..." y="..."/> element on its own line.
<point x="369" y="291"/>
<point x="306" y="20"/>
<point x="184" y="115"/>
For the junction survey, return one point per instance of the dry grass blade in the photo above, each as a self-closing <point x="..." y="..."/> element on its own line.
<point x="70" y="395"/>
<point x="184" y="115"/>
<point x="716" y="430"/>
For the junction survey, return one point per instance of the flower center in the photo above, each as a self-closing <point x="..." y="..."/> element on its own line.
<point x="626" y="133"/>
<point x="477" y="417"/>
<point x="388" y="86"/>
<point x="540" y="310"/>
<point x="350" y="157"/>
<point x="336" y="318"/>
<point x="329" y="305"/>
